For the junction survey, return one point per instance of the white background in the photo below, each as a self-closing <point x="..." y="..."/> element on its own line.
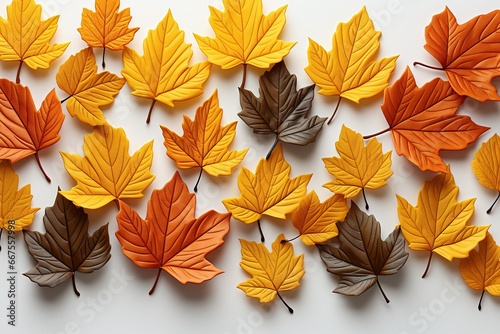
<point x="115" y="298"/>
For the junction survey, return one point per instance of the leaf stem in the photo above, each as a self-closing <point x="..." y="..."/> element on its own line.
<point x="367" y="207"/>
<point x="376" y="133"/>
<point x="492" y="205"/>
<point x="428" y="264"/>
<point x="480" y="301"/>
<point x="1" y="230"/>
<point x="18" y="74"/>
<point x="284" y="303"/>
<point x="198" y="181"/>
<point x="74" y="285"/>
<point x="383" y="293"/>
<point x="150" y="111"/>
<point x="428" y="66"/>
<point x="156" y="282"/>
<point x="284" y="241"/>
<point x="262" y="239"/>
<point x="335" y="111"/>
<point x="276" y="141"/>
<point x="244" y="79"/>
<point x="103" y="62"/>
<point x="65" y="99"/>
<point x="37" y="157"/>
<point x="117" y="202"/>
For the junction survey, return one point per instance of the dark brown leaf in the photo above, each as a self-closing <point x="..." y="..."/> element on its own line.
<point x="66" y="247"/>
<point x="281" y="109"/>
<point x="362" y="255"/>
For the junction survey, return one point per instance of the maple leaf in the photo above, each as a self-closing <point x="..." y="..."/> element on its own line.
<point x="87" y="89"/>
<point x="270" y="191"/>
<point x="486" y="166"/>
<point x="316" y="221"/>
<point x="171" y="238"/>
<point x="245" y="36"/>
<point x="107" y="172"/>
<point x="24" y="131"/>
<point x="438" y="224"/>
<point x="66" y="247"/>
<point x="423" y="121"/>
<point x="272" y="272"/>
<point x="362" y="255"/>
<point x="205" y="142"/>
<point x="107" y="28"/>
<point x="468" y="53"/>
<point x="281" y="110"/>
<point x="359" y="167"/>
<point x="24" y="37"/>
<point x="481" y="269"/>
<point x="15" y="205"/>
<point x="163" y="72"/>
<point x="350" y="69"/>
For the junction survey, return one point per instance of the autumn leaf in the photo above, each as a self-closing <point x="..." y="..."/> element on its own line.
<point x="87" y="89"/>
<point x="107" y="172"/>
<point x="163" y="72"/>
<point x="205" y="142"/>
<point x="423" y="121"/>
<point x="281" y="110"/>
<point x="24" y="131"/>
<point x="25" y="38"/>
<point x="438" y="224"/>
<point x="270" y="191"/>
<point x="350" y="69"/>
<point x="66" y="247"/>
<point x="469" y="53"/>
<point x="316" y="221"/>
<point x="486" y="166"/>
<point x="481" y="269"/>
<point x="171" y="238"/>
<point x="245" y="36"/>
<point x="272" y="272"/>
<point x="362" y="255"/>
<point x="359" y="167"/>
<point x="107" y="28"/>
<point x="15" y="205"/>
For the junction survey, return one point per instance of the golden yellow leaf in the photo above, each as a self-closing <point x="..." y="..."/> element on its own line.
<point x="317" y="222"/>
<point x="205" y="142"/>
<point x="359" y="167"/>
<point x="163" y="72"/>
<point x="481" y="270"/>
<point x="107" y="172"/>
<point x="350" y="70"/>
<point x="438" y="223"/>
<point x="15" y="205"/>
<point x="24" y="37"/>
<point x="272" y="272"/>
<point x="87" y="89"/>
<point x="486" y="165"/>
<point x="107" y="27"/>
<point x="244" y="36"/>
<point x="270" y="191"/>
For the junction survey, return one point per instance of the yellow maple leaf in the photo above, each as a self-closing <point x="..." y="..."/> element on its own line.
<point x="438" y="223"/>
<point x="205" y="142"/>
<point x="481" y="269"/>
<point x="107" y="172"/>
<point x="316" y="221"/>
<point x="272" y="272"/>
<point x="270" y="191"/>
<point x="358" y="167"/>
<point x="486" y="165"/>
<point x="244" y="36"/>
<point x="350" y="70"/>
<point x="24" y="37"/>
<point x="15" y="205"/>
<point x="87" y="89"/>
<point x="163" y="72"/>
<point x="107" y="28"/>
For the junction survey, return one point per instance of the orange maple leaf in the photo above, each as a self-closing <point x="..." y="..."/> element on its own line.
<point x="23" y="130"/>
<point x="171" y="238"/>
